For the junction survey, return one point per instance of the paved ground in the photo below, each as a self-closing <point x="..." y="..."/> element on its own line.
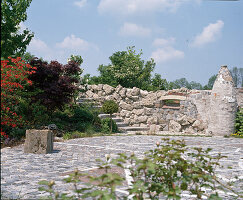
<point x="21" y="172"/>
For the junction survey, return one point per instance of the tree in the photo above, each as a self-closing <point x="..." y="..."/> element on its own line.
<point x="210" y="84"/>
<point x="158" y="83"/>
<point x="195" y="85"/>
<point x="182" y="82"/>
<point x="55" y="81"/>
<point x="14" y="43"/>
<point x="110" y="107"/>
<point x="14" y="74"/>
<point x="127" y="69"/>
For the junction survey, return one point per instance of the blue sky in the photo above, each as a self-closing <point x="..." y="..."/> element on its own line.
<point x="186" y="38"/>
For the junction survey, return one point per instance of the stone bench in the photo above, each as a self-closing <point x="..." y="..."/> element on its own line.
<point x="38" y="141"/>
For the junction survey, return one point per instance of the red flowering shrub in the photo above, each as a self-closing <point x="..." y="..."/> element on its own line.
<point x="14" y="74"/>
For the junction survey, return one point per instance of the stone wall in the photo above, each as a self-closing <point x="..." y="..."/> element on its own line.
<point x="223" y="104"/>
<point x="179" y="110"/>
<point x="142" y="108"/>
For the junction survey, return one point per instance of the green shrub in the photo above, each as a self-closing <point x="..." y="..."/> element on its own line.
<point x="166" y="171"/>
<point x="77" y="118"/>
<point x="110" y="107"/>
<point x="105" y="125"/>
<point x="73" y="135"/>
<point x="239" y="122"/>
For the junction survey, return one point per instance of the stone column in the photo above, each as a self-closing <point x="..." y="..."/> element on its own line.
<point x="38" y="141"/>
<point x="223" y="104"/>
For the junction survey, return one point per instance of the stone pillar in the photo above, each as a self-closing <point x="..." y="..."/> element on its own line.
<point x="38" y="141"/>
<point x="223" y="104"/>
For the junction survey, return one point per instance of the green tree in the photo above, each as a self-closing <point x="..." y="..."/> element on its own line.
<point x="211" y="81"/>
<point x="158" y="83"/>
<point x="28" y="57"/>
<point x="182" y="82"/>
<point x="110" y="107"/>
<point x="195" y="85"/>
<point x="127" y="69"/>
<point x="13" y="12"/>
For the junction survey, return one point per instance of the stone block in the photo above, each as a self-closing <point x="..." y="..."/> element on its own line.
<point x="174" y="126"/>
<point x="38" y="141"/>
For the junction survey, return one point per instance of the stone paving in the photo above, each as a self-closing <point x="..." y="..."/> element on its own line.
<point x="21" y="172"/>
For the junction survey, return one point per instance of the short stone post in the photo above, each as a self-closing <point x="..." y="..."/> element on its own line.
<point x="38" y="141"/>
<point x="223" y="104"/>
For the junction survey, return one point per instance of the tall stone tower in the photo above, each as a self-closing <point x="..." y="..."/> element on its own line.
<point x="223" y="104"/>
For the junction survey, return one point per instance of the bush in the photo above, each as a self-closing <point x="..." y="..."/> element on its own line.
<point x="162" y="172"/>
<point x="73" y="135"/>
<point x="239" y="122"/>
<point x="14" y="76"/>
<point x="105" y="125"/>
<point x="77" y="118"/>
<point x="56" y="83"/>
<point x="110" y="107"/>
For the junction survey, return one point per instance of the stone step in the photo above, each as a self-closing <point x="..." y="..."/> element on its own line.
<point x="102" y="116"/>
<point x="116" y="119"/>
<point x="85" y="99"/>
<point x="131" y="128"/>
<point x="121" y="124"/>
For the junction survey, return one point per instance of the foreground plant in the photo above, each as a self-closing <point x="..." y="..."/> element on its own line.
<point x="166" y="171"/>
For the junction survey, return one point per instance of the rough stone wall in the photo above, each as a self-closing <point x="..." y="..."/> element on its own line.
<point x="223" y="104"/>
<point x="142" y="108"/>
<point x="195" y="111"/>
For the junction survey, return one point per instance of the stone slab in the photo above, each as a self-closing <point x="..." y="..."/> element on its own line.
<point x="38" y="141"/>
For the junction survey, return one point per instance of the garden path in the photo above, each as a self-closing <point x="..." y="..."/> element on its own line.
<point x="21" y="172"/>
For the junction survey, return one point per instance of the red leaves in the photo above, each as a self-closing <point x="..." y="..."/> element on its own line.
<point x="56" y="81"/>
<point x="14" y="73"/>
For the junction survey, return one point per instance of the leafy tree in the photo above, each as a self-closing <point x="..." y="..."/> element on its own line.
<point x="239" y="122"/>
<point x="27" y="57"/>
<point x="13" y="12"/>
<point x="195" y="85"/>
<point x="211" y="81"/>
<point x="110" y="107"/>
<point x="182" y="82"/>
<point x="14" y="74"/>
<point x="127" y="69"/>
<point x="55" y="81"/>
<point x="158" y="83"/>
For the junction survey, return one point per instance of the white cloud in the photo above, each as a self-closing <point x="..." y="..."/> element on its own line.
<point x="37" y="45"/>
<point x="81" y="3"/>
<point x="166" y="53"/>
<point x="138" y="6"/>
<point x="209" y="34"/>
<point x="129" y="29"/>
<point x="75" y="43"/>
<point x="61" y="51"/>
<point x="163" y="42"/>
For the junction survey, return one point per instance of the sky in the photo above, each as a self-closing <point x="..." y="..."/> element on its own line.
<point x="186" y="38"/>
